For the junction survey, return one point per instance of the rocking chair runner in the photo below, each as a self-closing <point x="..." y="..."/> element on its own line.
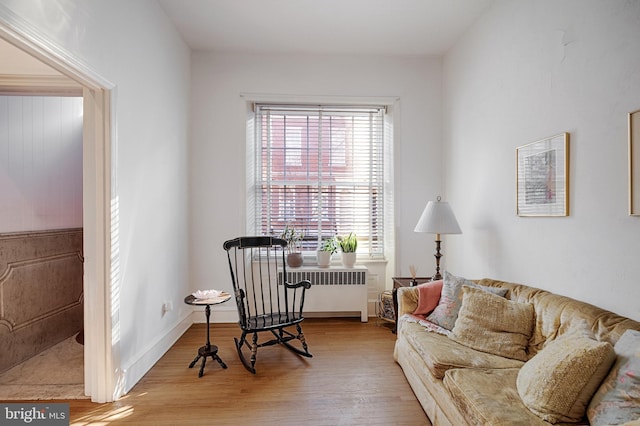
<point x="265" y="301"/>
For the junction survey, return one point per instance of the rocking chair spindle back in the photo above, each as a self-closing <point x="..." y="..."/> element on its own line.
<point x="264" y="301"/>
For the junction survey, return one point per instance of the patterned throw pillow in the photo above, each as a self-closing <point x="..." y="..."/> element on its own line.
<point x="558" y="382"/>
<point x="617" y="401"/>
<point x="490" y="323"/>
<point x="446" y="313"/>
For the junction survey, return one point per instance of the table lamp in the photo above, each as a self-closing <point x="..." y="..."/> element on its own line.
<point x="438" y="218"/>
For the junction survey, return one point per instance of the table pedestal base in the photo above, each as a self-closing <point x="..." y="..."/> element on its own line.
<point x="204" y="352"/>
<point x="208" y="349"/>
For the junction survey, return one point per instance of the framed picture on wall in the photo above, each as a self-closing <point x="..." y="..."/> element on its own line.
<point x="634" y="163"/>
<point x="542" y="177"/>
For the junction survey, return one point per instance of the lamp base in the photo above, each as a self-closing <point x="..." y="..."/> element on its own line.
<point x="438" y="255"/>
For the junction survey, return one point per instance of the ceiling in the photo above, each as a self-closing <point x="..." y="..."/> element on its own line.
<point x="348" y="27"/>
<point x="363" y="27"/>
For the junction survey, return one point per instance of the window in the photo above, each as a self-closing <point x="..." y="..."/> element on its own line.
<point x="293" y="146"/>
<point x="320" y="169"/>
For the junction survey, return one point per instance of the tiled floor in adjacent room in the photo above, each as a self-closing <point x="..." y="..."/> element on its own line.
<point x="56" y="373"/>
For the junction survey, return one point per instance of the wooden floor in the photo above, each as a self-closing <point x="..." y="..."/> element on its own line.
<point x="352" y="379"/>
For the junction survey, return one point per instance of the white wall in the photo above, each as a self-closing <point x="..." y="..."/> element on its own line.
<point x="528" y="70"/>
<point x="40" y="163"/>
<point x="219" y="138"/>
<point x="135" y="46"/>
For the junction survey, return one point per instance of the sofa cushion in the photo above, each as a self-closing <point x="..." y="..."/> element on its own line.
<point x="441" y="353"/>
<point x="430" y="391"/>
<point x="493" y="324"/>
<point x="617" y="401"/>
<point x="428" y="297"/>
<point x="557" y="316"/>
<point x="446" y="313"/>
<point x="489" y="397"/>
<point x="558" y="382"/>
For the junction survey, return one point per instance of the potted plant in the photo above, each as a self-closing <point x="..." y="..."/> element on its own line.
<point x="348" y="245"/>
<point x="326" y="249"/>
<point x="293" y="238"/>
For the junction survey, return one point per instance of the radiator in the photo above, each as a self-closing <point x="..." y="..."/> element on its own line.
<point x="333" y="290"/>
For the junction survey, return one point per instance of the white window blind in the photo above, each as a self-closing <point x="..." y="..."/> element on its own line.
<point x="321" y="170"/>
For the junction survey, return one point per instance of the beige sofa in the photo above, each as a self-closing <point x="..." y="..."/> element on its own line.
<point x="458" y="385"/>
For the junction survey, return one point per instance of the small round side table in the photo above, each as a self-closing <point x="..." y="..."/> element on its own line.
<point x="208" y="349"/>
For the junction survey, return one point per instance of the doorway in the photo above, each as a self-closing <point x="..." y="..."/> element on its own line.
<point x="99" y="350"/>
<point x="41" y="244"/>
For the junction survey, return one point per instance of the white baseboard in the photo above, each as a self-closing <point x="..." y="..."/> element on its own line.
<point x="231" y="315"/>
<point x="132" y="373"/>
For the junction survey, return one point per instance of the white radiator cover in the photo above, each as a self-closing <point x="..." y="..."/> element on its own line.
<point x="333" y="289"/>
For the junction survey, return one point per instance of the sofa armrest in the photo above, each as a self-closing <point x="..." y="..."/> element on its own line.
<point x="407" y="300"/>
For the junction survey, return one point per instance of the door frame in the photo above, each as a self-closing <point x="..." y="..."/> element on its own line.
<point x="100" y="348"/>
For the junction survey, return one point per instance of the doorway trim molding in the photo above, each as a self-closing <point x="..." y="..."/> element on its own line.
<point x="47" y="85"/>
<point x="101" y="370"/>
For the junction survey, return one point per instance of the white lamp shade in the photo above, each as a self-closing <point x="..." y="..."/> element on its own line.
<point x="438" y="218"/>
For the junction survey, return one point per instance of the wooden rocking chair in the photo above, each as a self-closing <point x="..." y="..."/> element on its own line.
<point x="265" y="301"/>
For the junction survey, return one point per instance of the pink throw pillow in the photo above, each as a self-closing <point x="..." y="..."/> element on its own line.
<point x="428" y="297"/>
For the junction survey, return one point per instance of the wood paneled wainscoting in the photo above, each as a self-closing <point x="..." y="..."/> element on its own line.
<point x="40" y="292"/>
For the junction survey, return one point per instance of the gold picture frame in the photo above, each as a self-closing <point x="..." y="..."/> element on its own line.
<point x="634" y="163"/>
<point x="542" y="177"/>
